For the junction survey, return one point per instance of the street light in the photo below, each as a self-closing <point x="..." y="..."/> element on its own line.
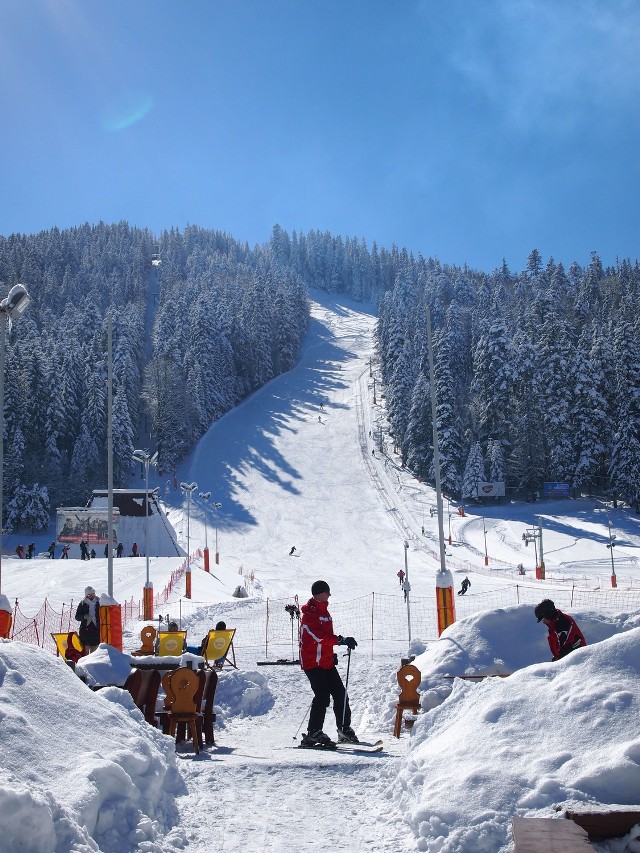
<point x="612" y="545"/>
<point x="486" y="555"/>
<point x="217" y="506"/>
<point x="12" y="307"/>
<point x="146" y="459"/>
<point x="205" y="497"/>
<point x="188" y="488"/>
<point x="534" y="534"/>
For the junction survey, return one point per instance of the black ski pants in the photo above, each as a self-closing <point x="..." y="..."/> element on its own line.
<point x="327" y="684"/>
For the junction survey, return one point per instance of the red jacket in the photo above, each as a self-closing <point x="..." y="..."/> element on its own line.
<point x="564" y="636"/>
<point x="316" y="635"/>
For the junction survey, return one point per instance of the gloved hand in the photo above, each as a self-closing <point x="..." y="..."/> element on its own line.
<point x="349" y="642"/>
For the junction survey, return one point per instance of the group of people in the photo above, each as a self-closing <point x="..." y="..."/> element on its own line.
<point x="20" y="551"/>
<point x="319" y="661"/>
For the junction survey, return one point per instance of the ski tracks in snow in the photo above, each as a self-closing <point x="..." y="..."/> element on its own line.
<point x="260" y="795"/>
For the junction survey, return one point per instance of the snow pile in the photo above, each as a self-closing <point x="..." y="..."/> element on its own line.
<point x="552" y="736"/>
<point x="243" y="694"/>
<point x="105" y="666"/>
<point x="78" y="764"/>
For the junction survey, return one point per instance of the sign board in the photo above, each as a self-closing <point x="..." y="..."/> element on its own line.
<point x="490" y="490"/>
<point x="556" y="490"/>
<point x="75" y="524"/>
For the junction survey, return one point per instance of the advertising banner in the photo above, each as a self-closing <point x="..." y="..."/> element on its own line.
<point x="556" y="490"/>
<point x="74" y="525"/>
<point x="490" y="490"/>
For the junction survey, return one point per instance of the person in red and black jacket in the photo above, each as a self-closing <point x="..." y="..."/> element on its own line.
<point x="564" y="634"/>
<point x="317" y="659"/>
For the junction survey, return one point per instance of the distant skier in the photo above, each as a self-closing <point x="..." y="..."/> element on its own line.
<point x="119" y="549"/>
<point x="84" y="551"/>
<point x="406" y="588"/>
<point x="52" y="550"/>
<point x="65" y="552"/>
<point x="134" y="549"/>
<point x="292" y="551"/>
<point x="400" y="576"/>
<point x="466" y="583"/>
<point x="564" y="634"/>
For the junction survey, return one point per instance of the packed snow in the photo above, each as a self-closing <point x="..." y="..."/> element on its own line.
<point x="293" y="466"/>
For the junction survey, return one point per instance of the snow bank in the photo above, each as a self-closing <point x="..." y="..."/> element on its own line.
<point x="549" y="737"/>
<point x="81" y="772"/>
<point x="242" y="694"/>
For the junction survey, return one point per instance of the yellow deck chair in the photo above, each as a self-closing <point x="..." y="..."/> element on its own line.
<point x="171" y="643"/>
<point x="69" y="646"/>
<point x="217" y="647"/>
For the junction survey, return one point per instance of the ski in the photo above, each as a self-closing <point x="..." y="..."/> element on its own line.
<point x="360" y="748"/>
<point x="365" y="743"/>
<point x="277" y="662"/>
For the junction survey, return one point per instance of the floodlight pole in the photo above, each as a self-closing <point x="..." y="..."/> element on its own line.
<point x="188" y="488"/>
<point x="109" y="455"/>
<point x="12" y="307"/>
<point x="445" y="600"/>
<point x="407" y="590"/>
<point x="146" y="459"/>
<point x="611" y="546"/>
<point x="486" y="554"/>
<point x="217" y="506"/>
<point x="205" y="497"/>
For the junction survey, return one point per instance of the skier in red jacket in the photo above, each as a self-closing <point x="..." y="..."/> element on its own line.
<point x="319" y="664"/>
<point x="564" y="634"/>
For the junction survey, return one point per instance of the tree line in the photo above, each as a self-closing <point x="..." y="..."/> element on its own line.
<point x="535" y="372"/>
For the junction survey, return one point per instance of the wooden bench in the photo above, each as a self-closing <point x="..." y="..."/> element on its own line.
<point x="603" y="825"/>
<point x="546" y="834"/>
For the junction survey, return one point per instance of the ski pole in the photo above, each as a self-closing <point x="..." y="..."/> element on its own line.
<point x="295" y="737"/>
<point x="346" y="684"/>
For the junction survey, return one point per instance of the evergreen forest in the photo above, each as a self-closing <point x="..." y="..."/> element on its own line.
<point x="536" y="373"/>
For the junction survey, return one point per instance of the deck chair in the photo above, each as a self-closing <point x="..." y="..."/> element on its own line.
<point x="216" y="647"/>
<point x="409" y="678"/>
<point x="143" y="686"/>
<point x="171" y="643"/>
<point x="184" y="695"/>
<point x="69" y="647"/>
<point x="148" y="640"/>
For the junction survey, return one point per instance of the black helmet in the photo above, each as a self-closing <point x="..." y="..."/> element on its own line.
<point x="318" y="587"/>
<point x="545" y="610"/>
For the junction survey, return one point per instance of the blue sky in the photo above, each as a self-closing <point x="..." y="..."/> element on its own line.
<point x="467" y="130"/>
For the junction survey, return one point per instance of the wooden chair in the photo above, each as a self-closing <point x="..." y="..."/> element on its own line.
<point x="148" y="638"/>
<point x="204" y="702"/>
<point x="216" y="648"/>
<point x="208" y="716"/>
<point x="143" y="686"/>
<point x="69" y="647"/>
<point x="171" y="643"/>
<point x="409" y="678"/>
<point x="184" y="694"/>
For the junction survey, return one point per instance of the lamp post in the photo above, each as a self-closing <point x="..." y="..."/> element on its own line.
<point x="611" y="546"/>
<point x="188" y="488"/>
<point x="12" y="307"/>
<point x="217" y="506"/>
<point x="484" y="530"/>
<point x="534" y="534"/>
<point x="205" y="497"/>
<point x="146" y="459"/>
<point x="407" y="590"/>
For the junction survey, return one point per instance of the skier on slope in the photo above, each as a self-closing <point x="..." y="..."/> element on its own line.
<point x="564" y="634"/>
<point x="319" y="664"/>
